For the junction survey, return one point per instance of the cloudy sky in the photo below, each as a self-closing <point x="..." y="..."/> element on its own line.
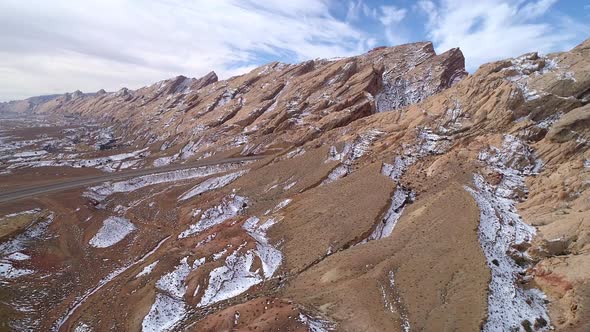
<point x="55" y="46"/>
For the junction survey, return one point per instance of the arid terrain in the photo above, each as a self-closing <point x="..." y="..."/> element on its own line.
<point x="391" y="191"/>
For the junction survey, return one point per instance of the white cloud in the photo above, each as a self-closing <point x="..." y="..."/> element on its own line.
<point x="489" y="30"/>
<point x="392" y="15"/>
<point x="61" y="45"/>
<point x="430" y="9"/>
<point x="359" y="9"/>
<point x="536" y="9"/>
<point x="58" y="46"/>
<point x="371" y="42"/>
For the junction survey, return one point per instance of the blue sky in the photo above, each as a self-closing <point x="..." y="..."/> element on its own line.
<point x="61" y="45"/>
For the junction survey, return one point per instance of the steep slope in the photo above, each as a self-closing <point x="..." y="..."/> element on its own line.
<point x="275" y="106"/>
<point x="396" y="194"/>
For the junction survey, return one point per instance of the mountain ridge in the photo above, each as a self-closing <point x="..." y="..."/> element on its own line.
<point x="161" y="102"/>
<point x="396" y="193"/>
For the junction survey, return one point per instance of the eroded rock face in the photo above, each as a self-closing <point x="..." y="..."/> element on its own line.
<point x="276" y="105"/>
<point x="403" y="86"/>
<point x="397" y="194"/>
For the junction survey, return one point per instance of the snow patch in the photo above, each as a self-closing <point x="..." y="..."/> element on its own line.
<point x="316" y="324"/>
<point x="270" y="256"/>
<point x="173" y="282"/>
<point x="282" y="204"/>
<point x="33" y="211"/>
<point x="289" y="186"/>
<point x="169" y="308"/>
<point x="164" y="315"/>
<point x="349" y="154"/>
<point x="83" y="327"/>
<point x="235" y="276"/>
<point x="398" y="92"/>
<point x="113" y="230"/>
<point x="108" y="164"/>
<point x="29" y="154"/>
<point x="526" y="66"/>
<point x="18" y="256"/>
<point x="7" y="271"/>
<point x="296" y="152"/>
<point x="147" y="270"/>
<point x="10" y="251"/>
<point x="400" y="198"/>
<point x="403" y="313"/>
<point x="231" y="279"/>
<point x="428" y="143"/>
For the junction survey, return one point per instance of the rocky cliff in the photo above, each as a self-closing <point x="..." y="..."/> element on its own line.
<point x="396" y="193"/>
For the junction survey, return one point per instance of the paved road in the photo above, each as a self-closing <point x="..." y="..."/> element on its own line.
<point x="88" y="180"/>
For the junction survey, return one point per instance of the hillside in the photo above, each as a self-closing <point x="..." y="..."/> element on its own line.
<point x="395" y="192"/>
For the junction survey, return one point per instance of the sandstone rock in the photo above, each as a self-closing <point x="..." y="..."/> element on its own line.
<point x="574" y="125"/>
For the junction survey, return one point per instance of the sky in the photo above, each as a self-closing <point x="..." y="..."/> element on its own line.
<point x="57" y="46"/>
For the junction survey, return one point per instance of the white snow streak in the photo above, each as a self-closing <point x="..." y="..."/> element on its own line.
<point x="349" y="154"/>
<point x="169" y="308"/>
<point x="10" y="251"/>
<point x="270" y="257"/>
<point x="230" y="207"/>
<point x="500" y="229"/>
<point x="384" y="229"/>
<point x="147" y="270"/>
<point x="235" y="276"/>
<point x="212" y="184"/>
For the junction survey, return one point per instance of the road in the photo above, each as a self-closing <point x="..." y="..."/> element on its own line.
<point x="89" y="180"/>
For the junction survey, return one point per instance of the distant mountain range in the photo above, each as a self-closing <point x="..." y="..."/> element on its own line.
<point x="30" y="104"/>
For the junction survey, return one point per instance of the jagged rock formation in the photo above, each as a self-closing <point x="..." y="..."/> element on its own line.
<point x="275" y="106"/>
<point x="396" y="194"/>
